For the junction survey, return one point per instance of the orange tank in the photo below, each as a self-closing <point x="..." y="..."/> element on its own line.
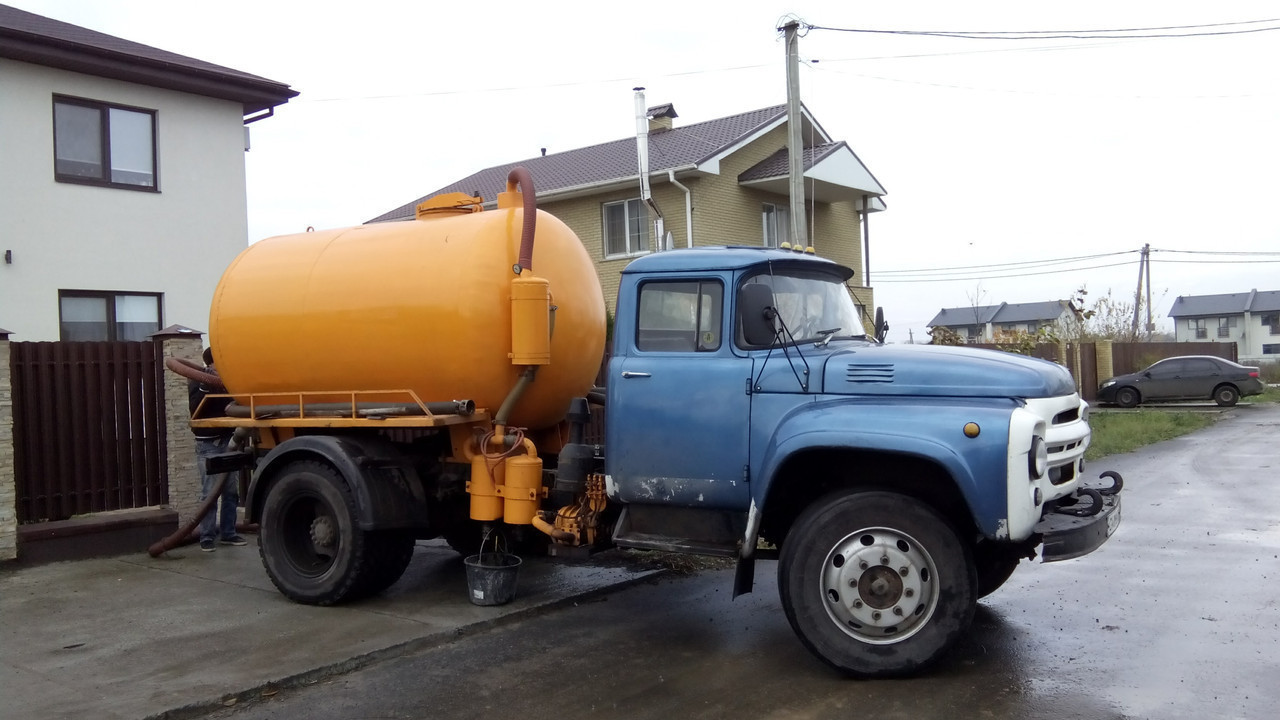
<point x="424" y="305"/>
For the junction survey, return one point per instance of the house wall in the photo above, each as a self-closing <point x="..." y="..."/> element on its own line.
<point x="724" y="213"/>
<point x="78" y="237"/>
<point x="1251" y="336"/>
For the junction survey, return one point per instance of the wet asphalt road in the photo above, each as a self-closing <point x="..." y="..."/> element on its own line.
<point x="1177" y="617"/>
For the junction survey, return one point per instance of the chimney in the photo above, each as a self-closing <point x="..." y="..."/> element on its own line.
<point x="660" y="117"/>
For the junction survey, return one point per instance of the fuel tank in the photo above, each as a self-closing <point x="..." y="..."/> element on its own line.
<point x="423" y="305"/>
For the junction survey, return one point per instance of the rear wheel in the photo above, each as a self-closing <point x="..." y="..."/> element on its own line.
<point x="875" y="583"/>
<point x="388" y="553"/>
<point x="1127" y="397"/>
<point x="310" y="544"/>
<point x="1226" y="395"/>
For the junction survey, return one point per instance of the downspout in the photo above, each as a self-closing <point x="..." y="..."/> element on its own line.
<point x="642" y="156"/>
<point x="866" y="240"/>
<point x="688" y="208"/>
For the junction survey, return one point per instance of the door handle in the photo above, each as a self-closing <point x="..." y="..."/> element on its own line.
<point x="628" y="375"/>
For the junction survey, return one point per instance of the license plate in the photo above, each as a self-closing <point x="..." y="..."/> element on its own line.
<point x="1113" y="520"/>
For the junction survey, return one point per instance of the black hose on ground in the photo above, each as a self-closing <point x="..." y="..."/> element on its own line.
<point x="183" y="533"/>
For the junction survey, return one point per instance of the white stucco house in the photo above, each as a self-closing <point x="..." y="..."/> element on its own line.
<point x="122" y="180"/>
<point x="1251" y="320"/>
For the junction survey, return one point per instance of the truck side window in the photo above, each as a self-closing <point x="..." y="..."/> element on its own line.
<point x="680" y="316"/>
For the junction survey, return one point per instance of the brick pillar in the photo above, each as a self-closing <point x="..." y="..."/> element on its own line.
<point x="8" y="478"/>
<point x="1106" y="360"/>
<point x="184" y="477"/>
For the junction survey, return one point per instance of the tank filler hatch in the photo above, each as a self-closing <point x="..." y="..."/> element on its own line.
<point x="449" y="204"/>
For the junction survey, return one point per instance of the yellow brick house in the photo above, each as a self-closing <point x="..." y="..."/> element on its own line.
<point x="719" y="182"/>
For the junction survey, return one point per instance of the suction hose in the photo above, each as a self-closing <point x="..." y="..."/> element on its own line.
<point x="519" y="176"/>
<point x="184" y="533"/>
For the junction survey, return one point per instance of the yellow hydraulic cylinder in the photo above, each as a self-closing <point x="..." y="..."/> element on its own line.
<point x="530" y="320"/>
<point x="483" y="487"/>
<point x="523" y="490"/>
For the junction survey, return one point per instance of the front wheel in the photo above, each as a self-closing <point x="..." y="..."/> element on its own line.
<point x="1226" y="396"/>
<point x="1127" y="397"/>
<point x="310" y="544"/>
<point x="875" y="583"/>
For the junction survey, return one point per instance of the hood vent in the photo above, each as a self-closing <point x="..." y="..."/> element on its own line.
<point x="870" y="373"/>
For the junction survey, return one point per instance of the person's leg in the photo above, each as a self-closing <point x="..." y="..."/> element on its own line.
<point x="230" y="501"/>
<point x="208" y="523"/>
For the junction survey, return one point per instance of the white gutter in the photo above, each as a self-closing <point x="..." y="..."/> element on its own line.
<point x="688" y="208"/>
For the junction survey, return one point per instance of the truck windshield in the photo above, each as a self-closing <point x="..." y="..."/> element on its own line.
<point x="814" y="306"/>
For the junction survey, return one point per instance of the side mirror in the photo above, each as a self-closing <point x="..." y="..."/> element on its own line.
<point x="1146" y="374"/>
<point x="882" y="328"/>
<point x="755" y="308"/>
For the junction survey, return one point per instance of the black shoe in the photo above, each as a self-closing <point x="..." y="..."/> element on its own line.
<point x="236" y="540"/>
<point x="207" y="546"/>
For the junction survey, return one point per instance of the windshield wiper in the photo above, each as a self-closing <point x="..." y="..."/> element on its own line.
<point x="825" y="336"/>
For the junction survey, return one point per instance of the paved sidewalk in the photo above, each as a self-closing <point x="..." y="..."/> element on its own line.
<point x="135" y="637"/>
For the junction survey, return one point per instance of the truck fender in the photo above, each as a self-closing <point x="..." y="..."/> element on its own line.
<point x="386" y="488"/>
<point x="934" y="435"/>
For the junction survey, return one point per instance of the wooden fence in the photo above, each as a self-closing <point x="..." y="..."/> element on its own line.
<point x="89" y="430"/>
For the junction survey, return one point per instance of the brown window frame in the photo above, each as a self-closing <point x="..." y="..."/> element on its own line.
<point x="104" y="112"/>
<point x="109" y="296"/>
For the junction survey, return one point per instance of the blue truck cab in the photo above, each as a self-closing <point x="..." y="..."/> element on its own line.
<point x="750" y="414"/>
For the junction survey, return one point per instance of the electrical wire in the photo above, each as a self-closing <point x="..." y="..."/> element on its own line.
<point x="1120" y="34"/>
<point x="1030" y="264"/>
<point x="999" y="277"/>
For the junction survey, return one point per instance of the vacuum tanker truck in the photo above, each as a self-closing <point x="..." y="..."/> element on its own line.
<point x="435" y="378"/>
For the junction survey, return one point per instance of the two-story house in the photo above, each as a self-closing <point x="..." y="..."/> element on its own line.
<point x="987" y="323"/>
<point x="1251" y="320"/>
<point x="122" y="180"/>
<point x="719" y="182"/>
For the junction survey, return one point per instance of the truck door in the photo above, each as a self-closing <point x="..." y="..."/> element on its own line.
<point x="678" y="408"/>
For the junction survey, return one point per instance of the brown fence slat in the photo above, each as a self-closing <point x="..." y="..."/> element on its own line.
<point x="88" y="428"/>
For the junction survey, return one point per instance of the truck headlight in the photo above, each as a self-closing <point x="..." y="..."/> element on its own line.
<point x="1038" y="458"/>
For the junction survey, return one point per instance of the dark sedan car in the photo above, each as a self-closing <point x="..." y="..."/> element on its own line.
<point x="1191" y="377"/>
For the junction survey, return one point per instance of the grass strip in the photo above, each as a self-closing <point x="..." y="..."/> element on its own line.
<point x="1115" y="432"/>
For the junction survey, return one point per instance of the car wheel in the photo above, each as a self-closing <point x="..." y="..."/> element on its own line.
<point x="1226" y="395"/>
<point x="876" y="584"/>
<point x="1127" y="397"/>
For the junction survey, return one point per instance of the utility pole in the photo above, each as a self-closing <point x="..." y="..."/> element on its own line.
<point x="795" y="150"/>
<point x="1137" y="294"/>
<point x="1151" y="326"/>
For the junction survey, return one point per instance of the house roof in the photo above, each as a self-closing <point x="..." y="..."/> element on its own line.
<point x="696" y="147"/>
<point x="1002" y="313"/>
<point x="1228" y="304"/>
<point x="40" y="40"/>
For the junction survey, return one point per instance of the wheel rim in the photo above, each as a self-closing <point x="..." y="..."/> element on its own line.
<point x="309" y="536"/>
<point x="880" y="586"/>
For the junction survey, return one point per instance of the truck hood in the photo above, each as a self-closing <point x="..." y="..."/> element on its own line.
<point x="941" y="371"/>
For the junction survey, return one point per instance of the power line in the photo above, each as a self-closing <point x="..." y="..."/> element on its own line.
<point x="1215" y="252"/>
<point x="1121" y="34"/>
<point x="1002" y="277"/>
<point x="1010" y="265"/>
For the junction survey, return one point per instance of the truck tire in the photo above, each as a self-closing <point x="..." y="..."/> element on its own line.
<point x="310" y="544"/>
<point x="876" y="584"/>
<point x="388" y="553"/>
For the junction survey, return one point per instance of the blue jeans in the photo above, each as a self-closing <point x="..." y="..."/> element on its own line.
<point x="217" y="522"/>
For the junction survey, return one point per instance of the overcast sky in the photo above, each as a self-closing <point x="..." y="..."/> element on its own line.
<point x="991" y="151"/>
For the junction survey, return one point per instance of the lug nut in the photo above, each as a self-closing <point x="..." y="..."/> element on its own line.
<point x="884" y="559"/>
<point x="853" y="583"/>
<point x="897" y="611"/>
<point x="863" y="565"/>
<point x="903" y="571"/>
<point x="857" y="603"/>
<point x="875" y="615"/>
<point x="909" y="592"/>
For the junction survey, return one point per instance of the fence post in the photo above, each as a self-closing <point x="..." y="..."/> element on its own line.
<point x="8" y="476"/>
<point x="1106" y="360"/>
<point x="180" y="451"/>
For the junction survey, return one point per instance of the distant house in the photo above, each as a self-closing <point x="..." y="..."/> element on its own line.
<point x="122" y="180"/>
<point x="1251" y="320"/>
<point x="986" y="323"/>
<point x="720" y="182"/>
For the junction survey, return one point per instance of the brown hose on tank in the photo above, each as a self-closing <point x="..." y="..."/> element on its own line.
<point x="519" y="176"/>
<point x="194" y="371"/>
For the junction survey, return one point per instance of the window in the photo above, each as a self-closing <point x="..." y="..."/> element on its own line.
<point x="1271" y="349"/>
<point x="1272" y="320"/>
<point x="777" y="224"/>
<point x="1197" y="326"/>
<point x="626" y="228"/>
<point x="88" y="315"/>
<point x="682" y="316"/>
<point x="99" y="144"/>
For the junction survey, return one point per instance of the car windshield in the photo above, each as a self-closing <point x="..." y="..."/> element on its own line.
<point x="814" y="306"/>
